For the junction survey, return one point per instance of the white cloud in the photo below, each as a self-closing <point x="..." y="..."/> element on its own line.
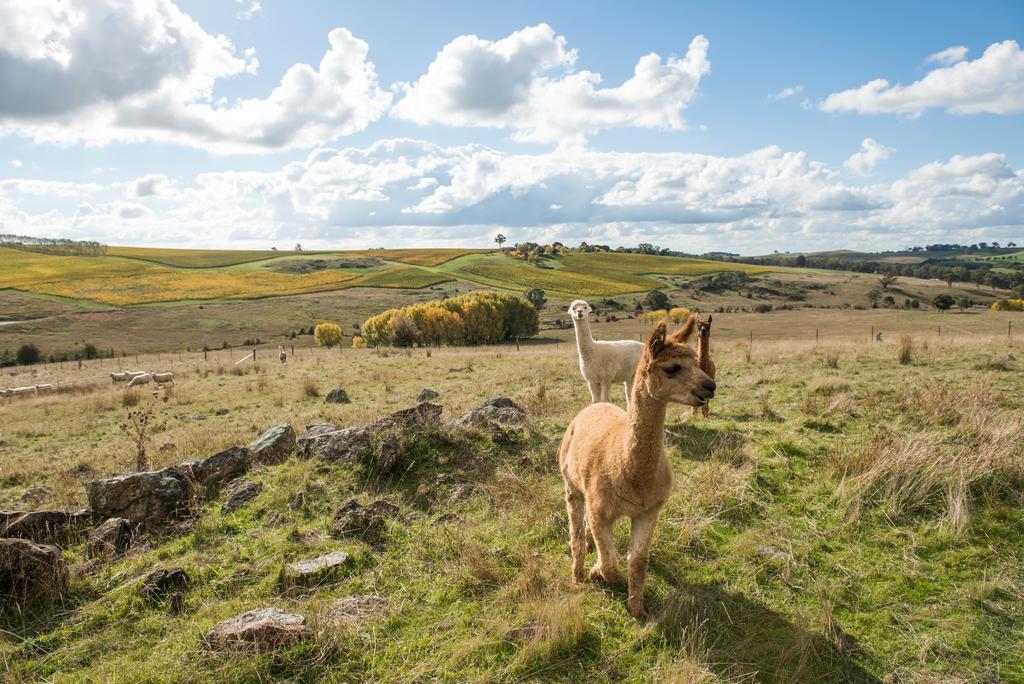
<point x="993" y="83"/>
<point x="787" y="92"/>
<point x="863" y="161"/>
<point x="403" y="192"/>
<point x="16" y="163"/>
<point x="249" y="10"/>
<point x="950" y="55"/>
<point x="104" y="70"/>
<point x="523" y="82"/>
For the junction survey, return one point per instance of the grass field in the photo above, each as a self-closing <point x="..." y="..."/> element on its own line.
<point x="193" y="258"/>
<point x="790" y="550"/>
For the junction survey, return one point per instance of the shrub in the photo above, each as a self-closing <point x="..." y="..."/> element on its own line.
<point x="536" y="297"/>
<point x="309" y="387"/>
<point x="763" y="308"/>
<point x="679" y="314"/>
<point x="1008" y="305"/>
<point x="27" y="355"/>
<point x="358" y="342"/>
<point x="906" y="351"/>
<point x="327" y="334"/>
<point x="943" y="302"/>
<point x="656" y="299"/>
<point x="404" y="332"/>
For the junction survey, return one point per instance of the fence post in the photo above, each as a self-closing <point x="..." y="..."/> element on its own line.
<point x="1009" y="330"/>
<point x="816" y="331"/>
<point x="751" y="338"/>
<point x="872" y="333"/>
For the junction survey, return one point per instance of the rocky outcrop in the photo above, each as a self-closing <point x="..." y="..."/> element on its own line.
<point x="113" y="537"/>
<point x="150" y="498"/>
<point x="497" y="412"/>
<point x="356" y="520"/>
<point x="427" y="395"/>
<point x="46" y="527"/>
<point x="30" y="572"/>
<point x="273" y="446"/>
<point x="348" y="445"/>
<point x="239" y="493"/>
<point x="262" y="629"/>
<point x="223" y="466"/>
<point x="389" y="454"/>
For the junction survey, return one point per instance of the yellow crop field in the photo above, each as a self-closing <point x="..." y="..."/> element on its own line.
<point x="193" y="258"/>
<point x="20" y="269"/>
<point x="416" y="257"/>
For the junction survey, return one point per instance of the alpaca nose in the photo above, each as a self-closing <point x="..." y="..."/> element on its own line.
<point x="709" y="388"/>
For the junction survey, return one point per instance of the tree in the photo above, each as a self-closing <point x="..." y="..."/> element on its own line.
<point x="536" y="297"/>
<point x="403" y="331"/>
<point x="27" y="355"/>
<point x="943" y="302"/>
<point x="801" y="261"/>
<point x="874" y="294"/>
<point x="964" y="303"/>
<point x="886" y="280"/>
<point x="500" y="239"/>
<point x="298" y="246"/>
<point x="327" y="334"/>
<point x="656" y="299"/>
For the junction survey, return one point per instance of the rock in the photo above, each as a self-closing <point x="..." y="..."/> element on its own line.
<point x="357" y="609"/>
<point x="427" y="395"/>
<point x="223" y="466"/>
<point x="390" y="452"/>
<point x="346" y="445"/>
<point x="36" y="495"/>
<point x="337" y="396"/>
<point x="166" y="446"/>
<point x="221" y="412"/>
<point x="150" y="498"/>
<point x="526" y="632"/>
<point x="83" y="470"/>
<point x="262" y="629"/>
<point x="30" y="571"/>
<point x="355" y="520"/>
<point x="273" y="446"/>
<point x="48" y="527"/>
<point x="423" y="490"/>
<point x="162" y="583"/>
<point x="461" y="492"/>
<point x="315" y="570"/>
<point x="417" y="416"/>
<point x="771" y="553"/>
<point x="111" y="538"/>
<point x="498" y="412"/>
<point x="240" y="493"/>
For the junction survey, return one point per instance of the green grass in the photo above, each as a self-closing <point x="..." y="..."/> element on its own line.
<point x="760" y="570"/>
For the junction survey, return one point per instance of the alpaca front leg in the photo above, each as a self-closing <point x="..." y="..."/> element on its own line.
<point x="629" y="392"/>
<point x="640" y="537"/>
<point x="595" y="391"/>
<point x="606" y="392"/>
<point x="607" y="566"/>
<point x="575" y="506"/>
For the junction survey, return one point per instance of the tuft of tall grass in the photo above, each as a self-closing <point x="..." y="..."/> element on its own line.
<point x="906" y="350"/>
<point x="310" y="388"/>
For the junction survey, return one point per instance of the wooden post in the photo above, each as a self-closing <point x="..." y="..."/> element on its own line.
<point x="204" y="355"/>
<point x="751" y="338"/>
<point x="872" y="333"/>
<point x="1009" y="330"/>
<point x="816" y="331"/>
<point x="293" y="350"/>
<point x="940" y="332"/>
<point x="517" y="344"/>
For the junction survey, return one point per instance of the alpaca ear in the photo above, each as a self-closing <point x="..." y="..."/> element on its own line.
<point x="709" y="319"/>
<point x="683" y="333"/>
<point x="656" y="342"/>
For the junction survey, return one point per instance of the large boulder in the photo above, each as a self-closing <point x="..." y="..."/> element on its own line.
<point x="150" y="498"/>
<point x="347" y="445"/>
<point x="262" y="629"/>
<point x="273" y="446"/>
<point x="417" y="416"/>
<point x="337" y="396"/>
<point x="47" y="527"/>
<point x="389" y="454"/>
<point x="30" y="572"/>
<point x="226" y="465"/>
<point x="165" y="582"/>
<point x="111" y="538"/>
<point x="497" y="412"/>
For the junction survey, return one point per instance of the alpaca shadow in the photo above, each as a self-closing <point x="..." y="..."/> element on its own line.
<point x="739" y="638"/>
<point x="697" y="443"/>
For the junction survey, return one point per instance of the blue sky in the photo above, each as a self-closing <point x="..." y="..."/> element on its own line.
<point x="703" y="155"/>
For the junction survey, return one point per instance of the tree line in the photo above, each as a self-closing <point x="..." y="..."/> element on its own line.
<point x="60" y="246"/>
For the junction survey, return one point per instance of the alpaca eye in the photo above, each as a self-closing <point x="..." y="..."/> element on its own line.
<point x="673" y="369"/>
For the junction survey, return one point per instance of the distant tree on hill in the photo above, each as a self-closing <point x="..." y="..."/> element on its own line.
<point x="964" y="303"/>
<point x="874" y="295"/>
<point x="536" y="297"/>
<point x="656" y="300"/>
<point x="298" y="246"/>
<point x="943" y="302"/>
<point x="327" y="334"/>
<point x="887" y="280"/>
<point x="500" y="239"/>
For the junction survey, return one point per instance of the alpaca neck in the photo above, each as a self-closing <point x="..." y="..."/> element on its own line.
<point x="645" y="421"/>
<point x="584" y="340"/>
<point x="703" y="350"/>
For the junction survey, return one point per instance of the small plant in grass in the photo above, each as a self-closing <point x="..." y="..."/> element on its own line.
<point x="906" y="352"/>
<point x="139" y="425"/>
<point x="309" y="387"/>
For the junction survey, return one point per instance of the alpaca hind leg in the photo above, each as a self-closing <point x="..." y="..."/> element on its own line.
<point x="607" y="566"/>
<point x="640" y="537"/>
<point x="574" y="504"/>
<point x="606" y="392"/>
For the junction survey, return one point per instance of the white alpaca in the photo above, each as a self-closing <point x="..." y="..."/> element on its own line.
<point x="603" y="363"/>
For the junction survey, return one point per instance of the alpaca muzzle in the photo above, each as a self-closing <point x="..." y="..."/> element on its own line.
<point x="706" y="390"/>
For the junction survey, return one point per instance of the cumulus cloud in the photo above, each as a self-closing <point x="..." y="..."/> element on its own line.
<point x="524" y="82"/>
<point x="403" y="192"/>
<point x="787" y="92"/>
<point x="249" y="10"/>
<point x="863" y="162"/>
<point x="950" y="55"/>
<point x="16" y="163"/>
<point x="993" y="83"/>
<point x="106" y="70"/>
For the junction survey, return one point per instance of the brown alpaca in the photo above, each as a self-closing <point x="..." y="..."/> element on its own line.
<point x="614" y="463"/>
<point x="704" y="358"/>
